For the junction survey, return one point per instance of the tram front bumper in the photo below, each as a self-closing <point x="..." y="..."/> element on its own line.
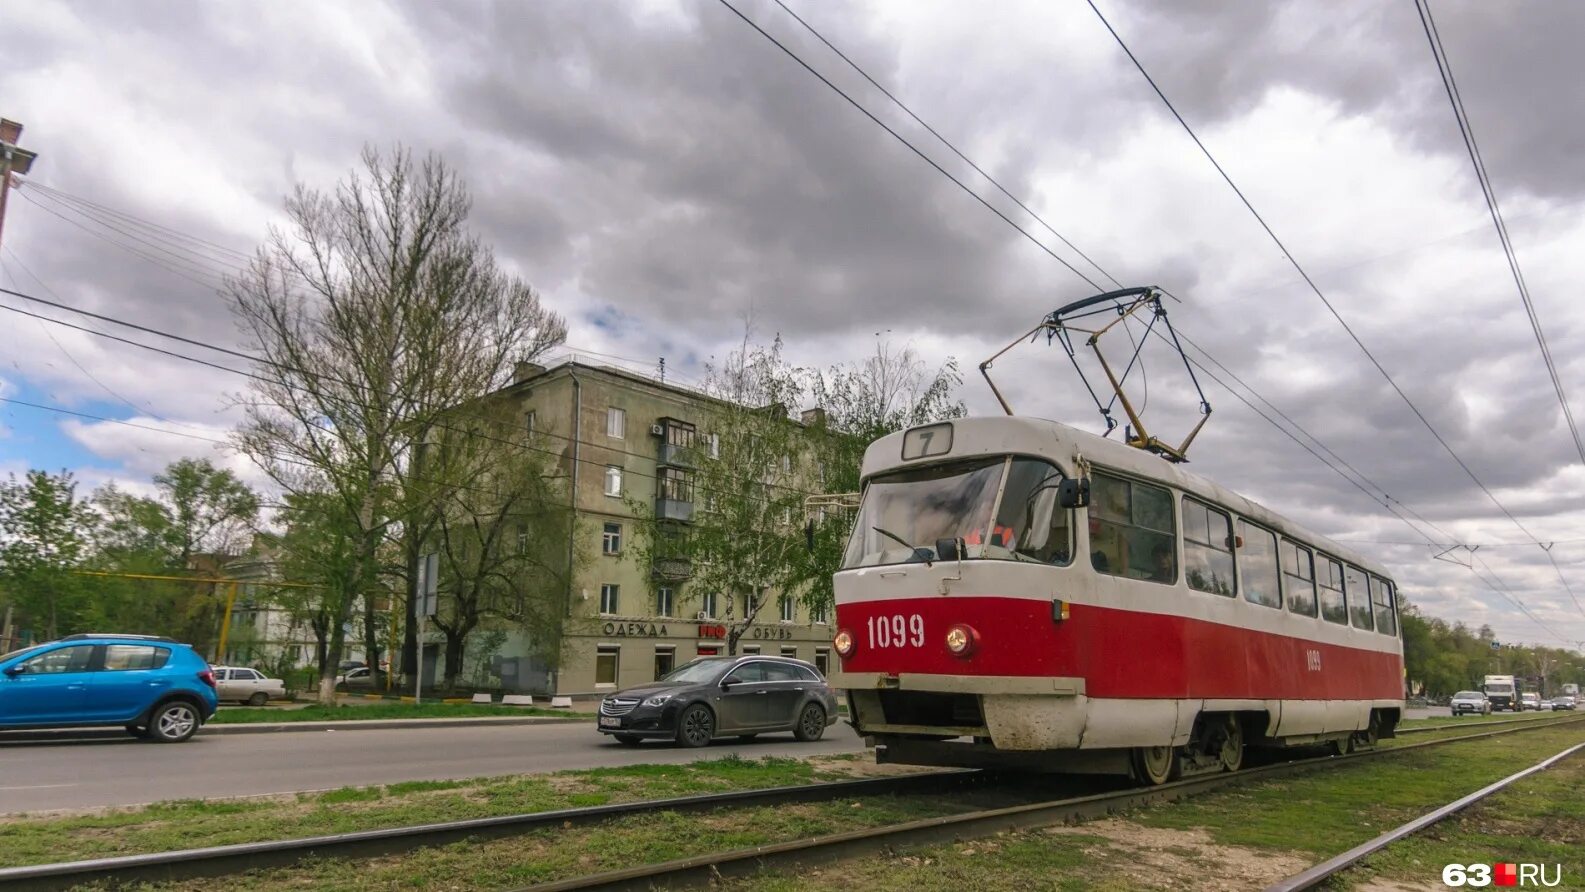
<point x="1013" y="712"/>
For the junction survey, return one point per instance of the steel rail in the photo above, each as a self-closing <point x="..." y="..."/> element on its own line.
<point x="228" y="859"/>
<point x="1318" y="874"/>
<point x="706" y="869"/>
<point x="1547" y="720"/>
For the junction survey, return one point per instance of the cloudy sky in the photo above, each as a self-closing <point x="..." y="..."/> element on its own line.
<point x="660" y="172"/>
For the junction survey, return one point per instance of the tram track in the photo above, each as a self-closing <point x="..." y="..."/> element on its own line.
<point x="1320" y="873"/>
<point x="219" y="861"/>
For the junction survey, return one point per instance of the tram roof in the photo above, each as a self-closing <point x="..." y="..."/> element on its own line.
<point x="1023" y="435"/>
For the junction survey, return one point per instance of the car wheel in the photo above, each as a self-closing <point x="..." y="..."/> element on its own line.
<point x="695" y="726"/>
<point x="811" y="723"/>
<point x="627" y="739"/>
<point x="173" y="722"/>
<point x="259" y="698"/>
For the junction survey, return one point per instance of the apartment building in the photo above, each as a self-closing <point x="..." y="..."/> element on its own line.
<point x="623" y="437"/>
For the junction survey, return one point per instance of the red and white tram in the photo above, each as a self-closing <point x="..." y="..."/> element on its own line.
<point x="1018" y="593"/>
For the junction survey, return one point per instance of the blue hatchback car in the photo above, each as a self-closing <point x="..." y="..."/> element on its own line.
<point x="154" y="687"/>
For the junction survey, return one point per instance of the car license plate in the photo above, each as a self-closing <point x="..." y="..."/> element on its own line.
<point x="610" y="721"/>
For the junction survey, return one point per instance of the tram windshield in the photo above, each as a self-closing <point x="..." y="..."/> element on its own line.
<point x="904" y="513"/>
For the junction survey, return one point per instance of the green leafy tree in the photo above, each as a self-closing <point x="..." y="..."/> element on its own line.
<point x="752" y="471"/>
<point x="45" y="533"/>
<point x="891" y="390"/>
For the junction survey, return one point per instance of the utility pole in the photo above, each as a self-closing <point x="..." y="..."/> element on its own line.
<point x="13" y="159"/>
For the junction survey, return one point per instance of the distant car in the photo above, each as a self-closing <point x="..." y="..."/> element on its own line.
<point x="1531" y="700"/>
<point x="248" y="686"/>
<point x="346" y="666"/>
<point x="361" y="679"/>
<point x="154" y="687"/>
<point x="723" y="697"/>
<point x="1470" y="703"/>
<point x="1564" y="702"/>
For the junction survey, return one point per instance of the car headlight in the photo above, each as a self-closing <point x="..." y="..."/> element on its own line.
<point x="657" y="700"/>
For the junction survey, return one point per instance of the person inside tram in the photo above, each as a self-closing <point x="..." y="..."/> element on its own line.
<point x="1165" y="568"/>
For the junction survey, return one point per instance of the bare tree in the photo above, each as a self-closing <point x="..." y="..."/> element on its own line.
<point x="500" y="530"/>
<point x="373" y="314"/>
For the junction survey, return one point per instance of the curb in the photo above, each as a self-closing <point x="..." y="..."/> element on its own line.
<point x="384" y="724"/>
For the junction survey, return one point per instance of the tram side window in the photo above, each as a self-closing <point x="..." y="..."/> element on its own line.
<point x="1381" y="595"/>
<point x="1131" y="529"/>
<point x="1358" y="597"/>
<point x="1298" y="577"/>
<point x="1257" y="565"/>
<point x="1329" y="574"/>
<point x="1207" y="548"/>
<point x="1030" y="521"/>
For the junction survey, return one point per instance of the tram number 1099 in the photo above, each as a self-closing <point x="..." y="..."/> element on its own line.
<point x="896" y="630"/>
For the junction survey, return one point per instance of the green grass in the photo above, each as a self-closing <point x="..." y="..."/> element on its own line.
<point x="322" y="713"/>
<point x="1540" y="820"/>
<point x="186" y="823"/>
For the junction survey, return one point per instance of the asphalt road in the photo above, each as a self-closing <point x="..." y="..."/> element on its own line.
<point x="103" y="769"/>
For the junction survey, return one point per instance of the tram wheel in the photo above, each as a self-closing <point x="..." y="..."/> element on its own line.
<point x="1156" y="765"/>
<point x="1371" y="734"/>
<point x="1231" y="752"/>
<point x="1344" y="745"/>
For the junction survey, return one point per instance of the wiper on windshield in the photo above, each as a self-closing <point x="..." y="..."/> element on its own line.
<point x="923" y="554"/>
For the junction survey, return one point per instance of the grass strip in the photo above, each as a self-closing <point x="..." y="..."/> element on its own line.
<point x="1244" y="837"/>
<point x="1539" y="820"/>
<point x="183" y="824"/>
<point x="1441" y="720"/>
<point x="322" y="713"/>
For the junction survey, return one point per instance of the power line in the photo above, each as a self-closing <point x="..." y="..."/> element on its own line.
<point x="1311" y="282"/>
<point x="283" y="367"/>
<point x="911" y="147"/>
<point x="1461" y="115"/>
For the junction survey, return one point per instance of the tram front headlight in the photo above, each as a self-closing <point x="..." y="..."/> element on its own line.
<point x="843" y="642"/>
<point x="962" y="640"/>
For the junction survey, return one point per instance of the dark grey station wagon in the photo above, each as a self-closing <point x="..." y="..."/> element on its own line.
<point x="723" y="697"/>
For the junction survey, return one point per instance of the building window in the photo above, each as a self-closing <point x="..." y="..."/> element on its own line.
<point x="751" y="650"/>
<point x="613" y="480"/>
<point x="611" y="539"/>
<point x="663" y="602"/>
<point x="823" y="660"/>
<point x="789" y="609"/>
<point x="818" y="614"/>
<point x="615" y="423"/>
<point x="709" y="606"/>
<point x="675" y="485"/>
<point x="715" y="445"/>
<point x="790" y="651"/>
<point x="750" y="604"/>
<point x="528" y="422"/>
<point x="607" y="663"/>
<point x="665" y="661"/>
<point x="610" y="594"/>
<point x="522" y="542"/>
<point x="679" y="433"/>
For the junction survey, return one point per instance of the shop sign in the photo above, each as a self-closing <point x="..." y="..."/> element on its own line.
<point x="712" y="631"/>
<point x="772" y="633"/>
<point x="634" y="630"/>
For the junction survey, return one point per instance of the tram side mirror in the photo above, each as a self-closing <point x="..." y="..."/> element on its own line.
<point x="949" y="549"/>
<point x="1073" y="493"/>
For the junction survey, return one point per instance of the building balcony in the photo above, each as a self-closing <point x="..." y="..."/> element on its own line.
<point x="673" y="569"/>
<point x="674" y="509"/>
<point x="676" y="456"/>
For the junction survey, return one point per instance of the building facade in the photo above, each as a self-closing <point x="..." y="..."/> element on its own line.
<point x="624" y="437"/>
